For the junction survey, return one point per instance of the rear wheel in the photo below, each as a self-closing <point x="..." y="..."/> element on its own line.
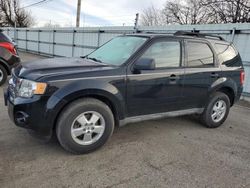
<point x="3" y="75"/>
<point x="216" y="111"/>
<point x="85" y="125"/>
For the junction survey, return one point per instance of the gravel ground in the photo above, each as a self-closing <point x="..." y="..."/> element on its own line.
<point x="174" y="152"/>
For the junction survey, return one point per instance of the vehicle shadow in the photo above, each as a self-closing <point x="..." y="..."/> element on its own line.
<point x="135" y="131"/>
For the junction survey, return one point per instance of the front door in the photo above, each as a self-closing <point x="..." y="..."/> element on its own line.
<point x="159" y="90"/>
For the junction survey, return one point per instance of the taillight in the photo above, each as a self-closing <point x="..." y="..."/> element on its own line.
<point x="9" y="46"/>
<point x="242" y="77"/>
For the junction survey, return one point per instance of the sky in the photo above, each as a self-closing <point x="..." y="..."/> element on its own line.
<point x="93" y="12"/>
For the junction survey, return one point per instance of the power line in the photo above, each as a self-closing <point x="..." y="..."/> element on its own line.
<point x="37" y="3"/>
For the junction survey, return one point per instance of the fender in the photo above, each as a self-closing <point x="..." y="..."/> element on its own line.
<point x="80" y="88"/>
<point x="222" y="83"/>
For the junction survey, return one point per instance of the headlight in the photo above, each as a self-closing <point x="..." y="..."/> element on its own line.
<point x="29" y="88"/>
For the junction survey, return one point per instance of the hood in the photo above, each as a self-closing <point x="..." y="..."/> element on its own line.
<point x="56" y="67"/>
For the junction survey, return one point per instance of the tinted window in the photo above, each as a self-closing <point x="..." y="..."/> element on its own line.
<point x="118" y="50"/>
<point x="165" y="54"/>
<point x="227" y="55"/>
<point x="199" y="55"/>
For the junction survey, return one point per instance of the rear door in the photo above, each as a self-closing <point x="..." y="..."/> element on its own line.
<point x="201" y="70"/>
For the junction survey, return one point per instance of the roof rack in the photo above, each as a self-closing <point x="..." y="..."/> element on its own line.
<point x="200" y="35"/>
<point x="153" y="32"/>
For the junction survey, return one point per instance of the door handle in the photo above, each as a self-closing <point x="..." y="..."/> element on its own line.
<point x="173" y="77"/>
<point x="214" y="75"/>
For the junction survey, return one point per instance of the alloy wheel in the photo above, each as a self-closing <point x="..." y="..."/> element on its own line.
<point x="219" y="111"/>
<point x="88" y="128"/>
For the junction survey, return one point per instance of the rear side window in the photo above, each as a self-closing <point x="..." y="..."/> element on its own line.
<point x="228" y="55"/>
<point x="199" y="55"/>
<point x="165" y="53"/>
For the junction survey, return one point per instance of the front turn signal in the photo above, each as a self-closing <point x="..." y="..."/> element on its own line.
<point x="40" y="88"/>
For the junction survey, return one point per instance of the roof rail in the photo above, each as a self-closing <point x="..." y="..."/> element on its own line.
<point x="153" y="32"/>
<point x="200" y="35"/>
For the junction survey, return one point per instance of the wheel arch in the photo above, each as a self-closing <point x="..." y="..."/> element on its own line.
<point x="61" y="99"/>
<point x="114" y="108"/>
<point x="226" y="86"/>
<point x="5" y="65"/>
<point x="229" y="92"/>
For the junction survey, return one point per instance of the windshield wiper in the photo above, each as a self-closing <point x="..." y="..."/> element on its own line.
<point x="96" y="60"/>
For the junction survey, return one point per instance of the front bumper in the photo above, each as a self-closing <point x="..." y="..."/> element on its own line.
<point x="29" y="113"/>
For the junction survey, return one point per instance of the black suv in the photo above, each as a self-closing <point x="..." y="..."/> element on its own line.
<point x="130" y="78"/>
<point x="8" y="57"/>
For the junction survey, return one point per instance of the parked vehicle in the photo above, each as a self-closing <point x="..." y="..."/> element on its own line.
<point x="8" y="57"/>
<point x="131" y="78"/>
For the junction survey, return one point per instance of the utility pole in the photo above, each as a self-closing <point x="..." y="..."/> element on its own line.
<point x="136" y="23"/>
<point x="78" y="13"/>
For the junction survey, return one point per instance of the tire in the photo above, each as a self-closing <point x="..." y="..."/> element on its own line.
<point x="78" y="115"/>
<point x="3" y="75"/>
<point x="215" y="100"/>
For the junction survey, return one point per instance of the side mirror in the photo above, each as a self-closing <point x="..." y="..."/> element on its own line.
<point x="144" y="64"/>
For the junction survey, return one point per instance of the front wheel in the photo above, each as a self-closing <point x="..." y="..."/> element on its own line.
<point x="216" y="111"/>
<point x="85" y="125"/>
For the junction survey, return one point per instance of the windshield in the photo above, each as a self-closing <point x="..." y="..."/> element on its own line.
<point x="118" y="50"/>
